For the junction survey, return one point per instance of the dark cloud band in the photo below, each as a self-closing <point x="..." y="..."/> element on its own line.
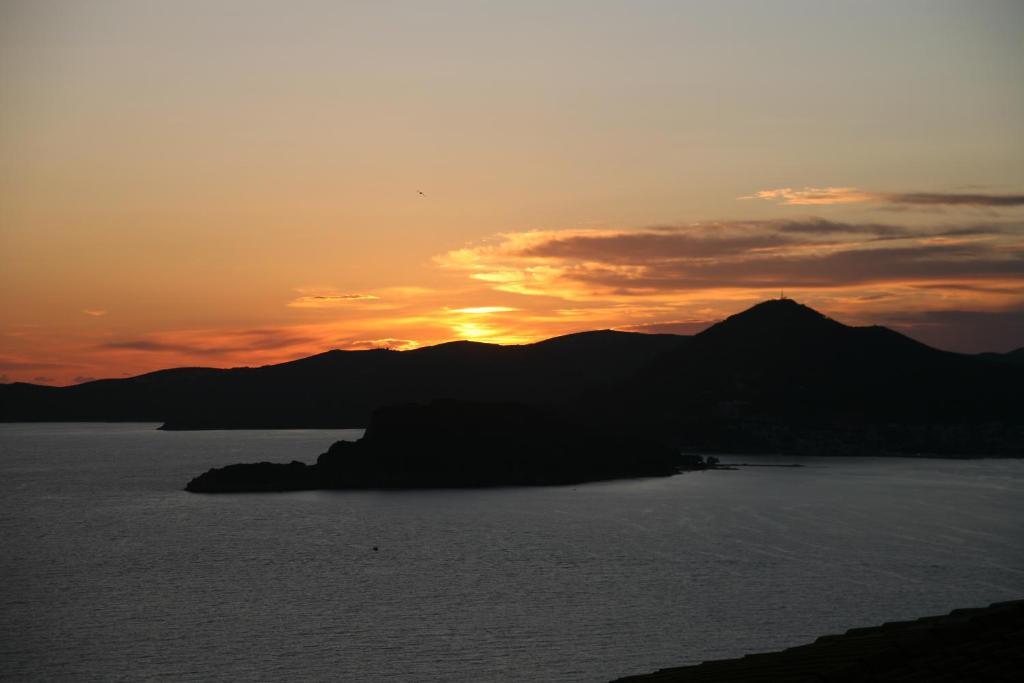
<point x="948" y="199"/>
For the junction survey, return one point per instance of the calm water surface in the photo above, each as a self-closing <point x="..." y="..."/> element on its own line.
<point x="111" y="571"/>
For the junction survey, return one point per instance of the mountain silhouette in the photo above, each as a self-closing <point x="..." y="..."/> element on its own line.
<point x="782" y="376"/>
<point x="779" y="376"/>
<point x="1015" y="357"/>
<point x="342" y="388"/>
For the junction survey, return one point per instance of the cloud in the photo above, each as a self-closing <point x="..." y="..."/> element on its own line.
<point x="704" y="241"/>
<point x="751" y="255"/>
<point x="685" y="327"/>
<point x="814" y="196"/>
<point x="213" y="343"/>
<point x="947" y="199"/>
<point x="824" y="196"/>
<point x="94" y="312"/>
<point x="79" y="379"/>
<point x="840" y="268"/>
<point x="386" y="343"/>
<point x="147" y="345"/>
<point x="14" y="364"/>
<point x="484" y="310"/>
<point x="328" y="300"/>
<point x="962" y="330"/>
<point x="993" y="288"/>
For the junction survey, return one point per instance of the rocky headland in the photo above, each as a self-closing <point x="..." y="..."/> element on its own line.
<point x="456" y="444"/>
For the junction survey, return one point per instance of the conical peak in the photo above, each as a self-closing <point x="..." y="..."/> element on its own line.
<point x="782" y="308"/>
<point x="774" y="315"/>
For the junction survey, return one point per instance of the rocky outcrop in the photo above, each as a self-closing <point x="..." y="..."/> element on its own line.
<point x="258" y="476"/>
<point x="454" y="444"/>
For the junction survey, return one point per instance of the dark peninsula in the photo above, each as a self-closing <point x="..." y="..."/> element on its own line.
<point x="457" y="444"/>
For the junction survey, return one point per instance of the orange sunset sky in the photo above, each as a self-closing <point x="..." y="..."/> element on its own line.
<point x="231" y="183"/>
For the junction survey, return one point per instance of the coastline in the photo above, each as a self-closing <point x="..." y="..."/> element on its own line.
<point x="985" y="643"/>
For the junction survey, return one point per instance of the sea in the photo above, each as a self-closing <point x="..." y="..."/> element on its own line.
<point x="109" y="570"/>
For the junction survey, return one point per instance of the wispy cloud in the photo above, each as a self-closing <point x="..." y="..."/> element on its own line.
<point x="966" y="330"/>
<point x="22" y="367"/>
<point x="212" y="343"/>
<point x="686" y="327"/>
<point x="94" y="312"/>
<point x="327" y="299"/>
<point x="951" y="199"/>
<point x="812" y="253"/>
<point x="385" y="343"/>
<point x="149" y="345"/>
<point x="824" y="196"/>
<point x="484" y="310"/>
<point x="814" y="196"/>
<point x="9" y="363"/>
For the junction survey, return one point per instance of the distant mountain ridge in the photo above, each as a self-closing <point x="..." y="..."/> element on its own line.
<point x="1016" y="357"/>
<point x="782" y="376"/>
<point x="777" y="377"/>
<point x="341" y="388"/>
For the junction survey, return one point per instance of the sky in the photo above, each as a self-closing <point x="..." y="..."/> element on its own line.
<point x="227" y="183"/>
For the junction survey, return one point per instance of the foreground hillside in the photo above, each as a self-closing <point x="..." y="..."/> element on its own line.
<point x="982" y="644"/>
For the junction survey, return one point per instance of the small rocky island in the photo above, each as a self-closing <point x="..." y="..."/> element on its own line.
<point x="456" y="444"/>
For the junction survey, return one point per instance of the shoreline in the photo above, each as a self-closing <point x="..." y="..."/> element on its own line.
<point x="984" y="643"/>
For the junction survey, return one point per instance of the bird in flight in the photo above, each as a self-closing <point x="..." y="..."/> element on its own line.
<point x="421" y="193"/>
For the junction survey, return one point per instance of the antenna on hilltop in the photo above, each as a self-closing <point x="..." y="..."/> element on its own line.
<point x="782" y="295"/>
